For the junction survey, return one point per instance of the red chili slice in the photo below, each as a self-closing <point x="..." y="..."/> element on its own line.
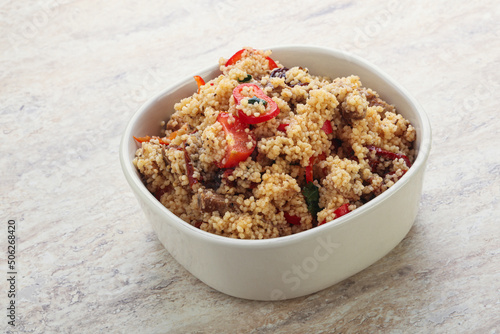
<point x="294" y="220"/>
<point x="237" y="140"/>
<point x="238" y="55"/>
<point x="273" y="106"/>
<point x="199" y="81"/>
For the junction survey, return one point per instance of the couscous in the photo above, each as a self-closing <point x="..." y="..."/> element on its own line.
<point x="264" y="151"/>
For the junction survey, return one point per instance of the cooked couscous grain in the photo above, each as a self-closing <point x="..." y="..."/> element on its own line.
<point x="263" y="151"/>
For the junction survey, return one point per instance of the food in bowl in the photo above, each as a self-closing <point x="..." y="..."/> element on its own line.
<point x="263" y="151"/>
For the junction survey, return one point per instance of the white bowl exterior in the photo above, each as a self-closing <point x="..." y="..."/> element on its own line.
<point x="309" y="261"/>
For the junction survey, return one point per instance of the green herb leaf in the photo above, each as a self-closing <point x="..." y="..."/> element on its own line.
<point x="246" y="79"/>
<point x="255" y="99"/>
<point x="311" y="194"/>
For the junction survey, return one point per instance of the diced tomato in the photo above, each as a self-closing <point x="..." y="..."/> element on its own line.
<point x="199" y="81"/>
<point x="274" y="110"/>
<point x="238" y="55"/>
<point x="283" y="126"/>
<point x="294" y="220"/>
<point x="327" y="127"/>
<point x="237" y="140"/>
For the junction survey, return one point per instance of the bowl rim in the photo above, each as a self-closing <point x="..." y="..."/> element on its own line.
<point x="140" y="189"/>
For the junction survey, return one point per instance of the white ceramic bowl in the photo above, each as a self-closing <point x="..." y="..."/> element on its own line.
<point x="306" y="262"/>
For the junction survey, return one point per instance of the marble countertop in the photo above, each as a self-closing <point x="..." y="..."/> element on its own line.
<point x="72" y="73"/>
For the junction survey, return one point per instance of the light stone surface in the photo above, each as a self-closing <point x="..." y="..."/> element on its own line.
<point x="73" y="72"/>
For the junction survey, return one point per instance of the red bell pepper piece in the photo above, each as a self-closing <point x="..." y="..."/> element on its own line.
<point x="199" y="81"/>
<point x="309" y="173"/>
<point x="235" y="58"/>
<point x="342" y="210"/>
<point x="327" y="127"/>
<point x="294" y="220"/>
<point x="273" y="106"/>
<point x="283" y="126"/>
<point x="237" y="140"/>
<point x="309" y="168"/>
<point x="272" y="64"/>
<point x="238" y="55"/>
<point x="389" y="155"/>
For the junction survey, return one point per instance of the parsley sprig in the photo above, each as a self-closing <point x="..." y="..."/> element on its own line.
<point x="311" y="194"/>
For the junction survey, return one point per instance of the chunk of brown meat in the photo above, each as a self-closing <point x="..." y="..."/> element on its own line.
<point x="209" y="201"/>
<point x="375" y="101"/>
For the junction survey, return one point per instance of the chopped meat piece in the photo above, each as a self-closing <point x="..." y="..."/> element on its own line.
<point x="354" y="106"/>
<point x="208" y="201"/>
<point x="375" y="101"/>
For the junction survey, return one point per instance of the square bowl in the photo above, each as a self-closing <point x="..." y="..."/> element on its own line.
<point x="302" y="263"/>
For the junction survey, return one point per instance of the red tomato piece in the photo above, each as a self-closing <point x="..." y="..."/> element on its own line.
<point x="237" y="140"/>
